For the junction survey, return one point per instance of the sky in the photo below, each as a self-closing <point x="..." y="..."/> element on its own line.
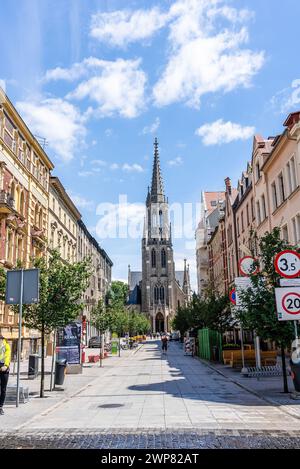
<point x="100" y="79"/>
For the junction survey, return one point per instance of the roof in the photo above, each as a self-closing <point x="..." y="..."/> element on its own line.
<point x="57" y="185"/>
<point x="209" y="197"/>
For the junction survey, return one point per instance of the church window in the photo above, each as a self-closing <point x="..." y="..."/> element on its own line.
<point x="156" y="294"/>
<point x="153" y="258"/>
<point x="160" y="219"/>
<point x="162" y="294"/>
<point x="163" y="258"/>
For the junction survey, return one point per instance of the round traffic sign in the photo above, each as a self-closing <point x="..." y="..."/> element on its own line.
<point x="232" y="296"/>
<point x="287" y="263"/>
<point x="291" y="303"/>
<point x="246" y="266"/>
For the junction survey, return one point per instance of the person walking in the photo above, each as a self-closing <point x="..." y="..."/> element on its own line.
<point x="164" y="342"/>
<point x="5" y="354"/>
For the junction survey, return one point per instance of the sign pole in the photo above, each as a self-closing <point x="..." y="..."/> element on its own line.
<point x="242" y="347"/>
<point x="19" y="338"/>
<point x="296" y="330"/>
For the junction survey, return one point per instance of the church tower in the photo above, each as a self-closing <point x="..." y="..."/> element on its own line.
<point x="159" y="285"/>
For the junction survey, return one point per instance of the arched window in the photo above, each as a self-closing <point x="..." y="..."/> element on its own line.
<point x="41" y="219"/>
<point x="153" y="258"/>
<point x="162" y="294"/>
<point x="156" y="294"/>
<point x="163" y="258"/>
<point x="22" y="207"/>
<point x="17" y="201"/>
<point x="36" y="215"/>
<point x="12" y="190"/>
<point x="160" y="219"/>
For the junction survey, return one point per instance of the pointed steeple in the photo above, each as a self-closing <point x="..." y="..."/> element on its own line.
<point x="186" y="282"/>
<point x="157" y="188"/>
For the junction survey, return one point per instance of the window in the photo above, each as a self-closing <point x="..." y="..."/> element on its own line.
<point x="153" y="258"/>
<point x="242" y="219"/>
<point x="258" y="174"/>
<point x="281" y="188"/>
<point x="296" y="229"/>
<point x="53" y="204"/>
<point x="274" y="196"/>
<point x="163" y="258"/>
<point x="285" y="233"/>
<point x="291" y="174"/>
<point x="258" y="213"/>
<point x="263" y="204"/>
<point x="162" y="294"/>
<point x="213" y="203"/>
<point x="252" y="209"/>
<point x="238" y="226"/>
<point x="22" y="208"/>
<point x="247" y="215"/>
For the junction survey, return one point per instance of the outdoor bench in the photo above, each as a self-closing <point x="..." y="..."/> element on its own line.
<point x="262" y="371"/>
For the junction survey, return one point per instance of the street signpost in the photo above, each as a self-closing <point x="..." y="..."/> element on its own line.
<point x="22" y="287"/>
<point x="232" y="296"/>
<point x="288" y="303"/>
<point x="246" y="266"/>
<point x="287" y="263"/>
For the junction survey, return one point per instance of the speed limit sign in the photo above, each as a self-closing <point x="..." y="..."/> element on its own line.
<point x="247" y="266"/>
<point x="287" y="263"/>
<point x="288" y="303"/>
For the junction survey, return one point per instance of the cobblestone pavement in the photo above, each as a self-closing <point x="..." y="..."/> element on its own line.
<point x="149" y="439"/>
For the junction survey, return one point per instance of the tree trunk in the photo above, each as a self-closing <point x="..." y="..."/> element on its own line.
<point x="284" y="374"/>
<point x="53" y="361"/>
<point x="101" y="347"/>
<point x="43" y="362"/>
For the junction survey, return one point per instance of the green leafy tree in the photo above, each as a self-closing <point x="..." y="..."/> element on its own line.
<point x="61" y="288"/>
<point x="259" y="305"/>
<point x="101" y="319"/>
<point x="2" y="283"/>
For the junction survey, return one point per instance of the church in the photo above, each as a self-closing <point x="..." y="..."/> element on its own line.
<point x="158" y="289"/>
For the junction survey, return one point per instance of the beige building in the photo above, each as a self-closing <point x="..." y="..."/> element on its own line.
<point x="63" y="221"/>
<point x="24" y="197"/>
<point x="218" y="269"/>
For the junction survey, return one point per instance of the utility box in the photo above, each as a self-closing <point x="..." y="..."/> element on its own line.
<point x="210" y="344"/>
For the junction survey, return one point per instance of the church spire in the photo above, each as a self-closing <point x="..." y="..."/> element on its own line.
<point x="157" y="188"/>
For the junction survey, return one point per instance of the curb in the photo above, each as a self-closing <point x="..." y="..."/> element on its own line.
<point x="268" y="400"/>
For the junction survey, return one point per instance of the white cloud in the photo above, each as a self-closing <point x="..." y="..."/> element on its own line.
<point x="132" y="168"/>
<point x="116" y="87"/>
<point x="81" y="202"/>
<point x="151" y="129"/>
<point x="99" y="162"/>
<point x="122" y="220"/>
<point x="108" y="132"/>
<point x="178" y="161"/>
<point x="204" y="58"/>
<point x="58" y="121"/>
<point x="122" y="27"/>
<point x="114" y="166"/>
<point x="287" y="99"/>
<point x="85" y="174"/>
<point x="219" y="132"/>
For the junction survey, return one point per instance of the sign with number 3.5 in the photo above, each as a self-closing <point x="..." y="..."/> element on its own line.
<point x="287" y="264"/>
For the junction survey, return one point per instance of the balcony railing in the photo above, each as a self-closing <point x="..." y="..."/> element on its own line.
<point x="7" y="202"/>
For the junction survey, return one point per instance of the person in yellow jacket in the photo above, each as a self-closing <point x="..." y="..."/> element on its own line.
<point x="5" y="355"/>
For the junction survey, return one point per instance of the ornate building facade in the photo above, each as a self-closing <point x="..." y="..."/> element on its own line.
<point x="162" y="288"/>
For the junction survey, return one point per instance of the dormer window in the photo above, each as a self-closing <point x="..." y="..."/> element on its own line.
<point x="213" y="203"/>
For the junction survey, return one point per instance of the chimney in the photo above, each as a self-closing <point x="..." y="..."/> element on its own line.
<point x="228" y="185"/>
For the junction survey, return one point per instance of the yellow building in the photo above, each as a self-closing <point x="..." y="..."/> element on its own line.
<point x="24" y="199"/>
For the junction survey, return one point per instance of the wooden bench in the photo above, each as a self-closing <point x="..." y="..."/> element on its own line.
<point x="235" y="360"/>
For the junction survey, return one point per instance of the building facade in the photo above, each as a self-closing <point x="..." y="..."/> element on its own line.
<point x="101" y="274"/>
<point x="24" y="200"/>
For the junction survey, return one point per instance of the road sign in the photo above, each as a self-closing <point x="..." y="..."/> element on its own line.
<point x="247" y="267"/>
<point x="30" y="286"/>
<point x="289" y="282"/>
<point x="241" y="284"/>
<point x="288" y="303"/>
<point x="232" y="296"/>
<point x="287" y="263"/>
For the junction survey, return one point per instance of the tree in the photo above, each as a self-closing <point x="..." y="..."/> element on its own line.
<point x="61" y="288"/>
<point x="258" y="310"/>
<point x="101" y="319"/>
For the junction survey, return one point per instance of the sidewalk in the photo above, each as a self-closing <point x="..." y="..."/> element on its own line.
<point x="268" y="388"/>
<point x="16" y="418"/>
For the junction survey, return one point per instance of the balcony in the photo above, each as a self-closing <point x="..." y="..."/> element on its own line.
<point x="7" y="202"/>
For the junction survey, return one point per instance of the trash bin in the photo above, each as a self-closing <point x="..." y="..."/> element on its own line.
<point x="60" y="371"/>
<point x="295" y="373"/>
<point x="215" y="353"/>
<point x="33" y="366"/>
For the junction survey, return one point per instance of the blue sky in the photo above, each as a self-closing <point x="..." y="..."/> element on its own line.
<point x="100" y="79"/>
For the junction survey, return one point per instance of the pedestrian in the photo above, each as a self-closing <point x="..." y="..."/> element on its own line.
<point x="5" y="354"/>
<point x="164" y="342"/>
